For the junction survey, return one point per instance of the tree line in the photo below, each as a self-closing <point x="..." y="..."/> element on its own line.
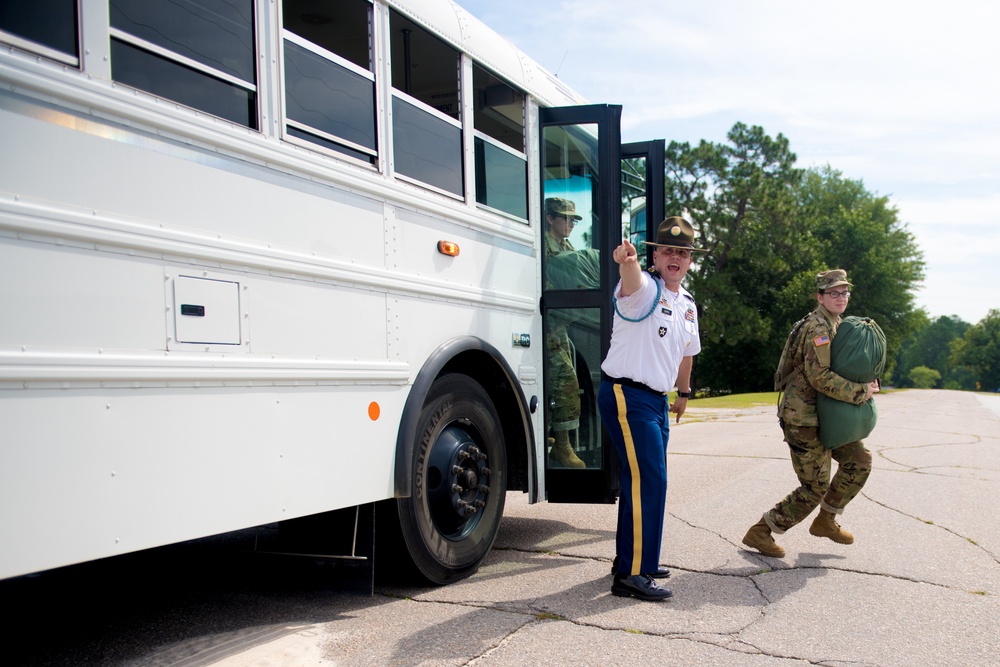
<point x="769" y="228"/>
<point x="949" y="353"/>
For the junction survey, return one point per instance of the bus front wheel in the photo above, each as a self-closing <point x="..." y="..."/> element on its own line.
<point x="451" y="519"/>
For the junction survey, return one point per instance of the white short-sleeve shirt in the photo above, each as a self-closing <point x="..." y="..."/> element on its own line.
<point x="650" y="351"/>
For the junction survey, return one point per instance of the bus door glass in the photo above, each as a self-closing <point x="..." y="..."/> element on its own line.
<point x="580" y="219"/>
<point x="642" y="193"/>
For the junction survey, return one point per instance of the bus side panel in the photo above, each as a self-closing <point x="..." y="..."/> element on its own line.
<point x="169" y="190"/>
<point x="503" y="273"/>
<point x="90" y="473"/>
<point x="61" y="297"/>
<point x="115" y="437"/>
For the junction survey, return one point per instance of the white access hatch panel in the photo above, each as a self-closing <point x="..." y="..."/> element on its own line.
<point x="206" y="311"/>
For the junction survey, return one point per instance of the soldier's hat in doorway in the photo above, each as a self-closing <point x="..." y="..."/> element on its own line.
<point x="675" y="232"/>
<point x="560" y="206"/>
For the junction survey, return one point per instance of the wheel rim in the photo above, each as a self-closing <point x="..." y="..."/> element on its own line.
<point x="457" y="480"/>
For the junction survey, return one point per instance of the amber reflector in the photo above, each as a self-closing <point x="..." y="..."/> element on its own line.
<point x="449" y="248"/>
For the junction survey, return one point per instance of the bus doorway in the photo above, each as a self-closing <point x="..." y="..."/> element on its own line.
<point x="584" y="217"/>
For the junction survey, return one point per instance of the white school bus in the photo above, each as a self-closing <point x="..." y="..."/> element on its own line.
<point x="282" y="262"/>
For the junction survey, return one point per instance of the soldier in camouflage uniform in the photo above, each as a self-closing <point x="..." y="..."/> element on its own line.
<point x="804" y="371"/>
<point x="564" y="388"/>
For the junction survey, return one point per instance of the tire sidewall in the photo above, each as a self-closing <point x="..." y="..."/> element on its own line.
<point x="454" y="399"/>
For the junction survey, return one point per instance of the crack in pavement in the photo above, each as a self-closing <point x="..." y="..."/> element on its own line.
<point x="759" y="558"/>
<point x="936" y="525"/>
<point x="728" y="641"/>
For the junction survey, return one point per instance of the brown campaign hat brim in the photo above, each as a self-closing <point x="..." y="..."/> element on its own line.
<point x="673" y="245"/>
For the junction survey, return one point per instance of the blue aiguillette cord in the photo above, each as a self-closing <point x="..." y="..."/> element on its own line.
<point x="652" y="308"/>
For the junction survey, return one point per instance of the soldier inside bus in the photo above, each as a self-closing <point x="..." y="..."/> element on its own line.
<point x="563" y="398"/>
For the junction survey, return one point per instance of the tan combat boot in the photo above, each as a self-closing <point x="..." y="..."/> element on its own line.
<point x="759" y="538"/>
<point x="562" y="452"/>
<point x="825" y="525"/>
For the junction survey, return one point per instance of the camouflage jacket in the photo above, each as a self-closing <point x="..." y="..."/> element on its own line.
<point x="808" y="353"/>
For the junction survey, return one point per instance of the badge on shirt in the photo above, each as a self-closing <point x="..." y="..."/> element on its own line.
<point x="663" y="332"/>
<point x="821" y="340"/>
<point x="689" y="315"/>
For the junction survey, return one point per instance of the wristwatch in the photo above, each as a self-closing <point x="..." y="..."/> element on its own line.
<point x="683" y="394"/>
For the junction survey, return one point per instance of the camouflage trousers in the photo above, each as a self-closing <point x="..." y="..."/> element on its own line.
<point x="811" y="462"/>
<point x="564" y="388"/>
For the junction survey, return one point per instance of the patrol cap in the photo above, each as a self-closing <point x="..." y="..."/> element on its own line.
<point x="831" y="278"/>
<point x="560" y="206"/>
<point x="677" y="232"/>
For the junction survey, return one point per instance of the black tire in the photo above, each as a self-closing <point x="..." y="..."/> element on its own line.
<point x="451" y="519"/>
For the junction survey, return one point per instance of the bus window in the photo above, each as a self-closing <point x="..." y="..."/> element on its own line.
<point x="501" y="163"/>
<point x="499" y="109"/>
<point x="329" y="82"/>
<point x="47" y="27"/>
<point x="202" y="57"/>
<point x="426" y="132"/>
<point x="342" y="27"/>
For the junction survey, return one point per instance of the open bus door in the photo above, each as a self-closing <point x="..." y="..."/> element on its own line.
<point x="642" y="192"/>
<point x="582" y="169"/>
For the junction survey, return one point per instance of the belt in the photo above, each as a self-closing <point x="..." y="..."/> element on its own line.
<point x="632" y="383"/>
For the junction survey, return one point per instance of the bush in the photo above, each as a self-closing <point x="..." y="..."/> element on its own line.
<point x="924" y="378"/>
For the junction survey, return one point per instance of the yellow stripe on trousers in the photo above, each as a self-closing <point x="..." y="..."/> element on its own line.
<point x="633" y="466"/>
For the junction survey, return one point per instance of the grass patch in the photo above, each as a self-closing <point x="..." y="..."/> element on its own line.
<point x="548" y="616"/>
<point x="733" y="401"/>
<point x="633" y="631"/>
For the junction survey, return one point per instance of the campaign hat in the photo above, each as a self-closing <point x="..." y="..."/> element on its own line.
<point x="675" y="232"/>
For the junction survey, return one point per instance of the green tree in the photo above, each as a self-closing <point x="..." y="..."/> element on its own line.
<point x="930" y="346"/>
<point x="979" y="351"/>
<point x="860" y="231"/>
<point x="741" y="197"/>
<point x="922" y="377"/>
<point x="769" y="227"/>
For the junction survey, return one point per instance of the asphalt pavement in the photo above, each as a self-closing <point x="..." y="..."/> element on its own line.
<point x="920" y="585"/>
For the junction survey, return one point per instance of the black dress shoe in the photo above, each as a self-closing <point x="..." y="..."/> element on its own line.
<point x="661" y="572"/>
<point x="639" y="586"/>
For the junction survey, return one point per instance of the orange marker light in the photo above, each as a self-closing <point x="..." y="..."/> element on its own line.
<point x="449" y="248"/>
<point x="373" y="411"/>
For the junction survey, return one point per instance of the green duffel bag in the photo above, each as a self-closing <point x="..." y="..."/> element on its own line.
<point x="858" y="354"/>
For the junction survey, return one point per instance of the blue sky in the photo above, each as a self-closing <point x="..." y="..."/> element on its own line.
<point x="903" y="96"/>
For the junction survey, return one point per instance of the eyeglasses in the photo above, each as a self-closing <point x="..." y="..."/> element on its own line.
<point x="837" y="295"/>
